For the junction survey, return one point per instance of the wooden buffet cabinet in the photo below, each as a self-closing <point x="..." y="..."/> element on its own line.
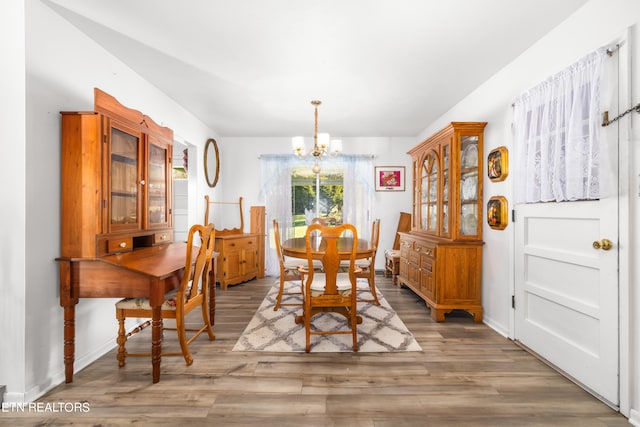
<point x="441" y="257"/>
<point x="238" y="258"/>
<point x="241" y="255"/>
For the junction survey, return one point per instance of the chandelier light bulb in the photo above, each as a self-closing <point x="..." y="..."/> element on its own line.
<point x="298" y="145"/>
<point x="336" y="146"/>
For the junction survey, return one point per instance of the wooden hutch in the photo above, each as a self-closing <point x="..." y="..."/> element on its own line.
<point x="441" y="257"/>
<point x="116" y="219"/>
<point x="116" y="180"/>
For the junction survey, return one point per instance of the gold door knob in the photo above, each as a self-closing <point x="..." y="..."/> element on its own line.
<point x="604" y="244"/>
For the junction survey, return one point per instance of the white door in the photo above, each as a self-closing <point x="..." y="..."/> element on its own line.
<point x="566" y="280"/>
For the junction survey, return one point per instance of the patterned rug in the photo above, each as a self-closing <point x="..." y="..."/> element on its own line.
<point x="381" y="329"/>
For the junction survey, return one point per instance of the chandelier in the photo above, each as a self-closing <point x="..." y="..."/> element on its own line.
<point x="322" y="144"/>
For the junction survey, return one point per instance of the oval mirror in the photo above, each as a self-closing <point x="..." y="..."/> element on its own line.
<point x="211" y="162"/>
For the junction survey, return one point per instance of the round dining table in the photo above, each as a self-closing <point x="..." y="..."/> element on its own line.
<point x="297" y="248"/>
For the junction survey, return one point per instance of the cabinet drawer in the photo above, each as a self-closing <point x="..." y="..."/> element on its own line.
<point x="164" y="237"/>
<point x="121" y="244"/>
<point x="237" y="244"/>
<point x="426" y="250"/>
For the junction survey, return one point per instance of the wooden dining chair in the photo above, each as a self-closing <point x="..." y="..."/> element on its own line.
<point x="288" y="272"/>
<point x="368" y="265"/>
<point x="329" y="290"/>
<point x="192" y="292"/>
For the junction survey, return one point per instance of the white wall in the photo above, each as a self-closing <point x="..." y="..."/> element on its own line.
<point x="12" y="193"/>
<point x="62" y="68"/>
<point x="244" y="180"/>
<point x="597" y="24"/>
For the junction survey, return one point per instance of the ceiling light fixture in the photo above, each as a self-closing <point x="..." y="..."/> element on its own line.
<point x="322" y="144"/>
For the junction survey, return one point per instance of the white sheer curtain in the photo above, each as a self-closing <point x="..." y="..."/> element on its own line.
<point x="275" y="190"/>
<point x="359" y="192"/>
<point x="557" y="135"/>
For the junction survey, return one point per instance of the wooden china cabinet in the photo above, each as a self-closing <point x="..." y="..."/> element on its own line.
<point x="116" y="179"/>
<point x="441" y="257"/>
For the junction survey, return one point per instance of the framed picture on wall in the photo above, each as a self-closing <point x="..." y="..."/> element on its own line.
<point x="498" y="164"/>
<point x="389" y="178"/>
<point x="497" y="208"/>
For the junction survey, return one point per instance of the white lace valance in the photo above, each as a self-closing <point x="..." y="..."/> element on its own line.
<point x="557" y="135"/>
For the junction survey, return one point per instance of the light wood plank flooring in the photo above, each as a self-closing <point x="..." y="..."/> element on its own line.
<point x="466" y="375"/>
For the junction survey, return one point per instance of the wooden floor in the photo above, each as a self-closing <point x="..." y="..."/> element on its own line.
<point x="466" y="375"/>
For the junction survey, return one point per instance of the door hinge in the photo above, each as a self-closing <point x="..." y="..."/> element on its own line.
<point x="513" y="301"/>
<point x="513" y="215"/>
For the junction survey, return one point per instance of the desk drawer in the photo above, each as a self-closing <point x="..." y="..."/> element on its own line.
<point x="164" y="237"/>
<point x="121" y="244"/>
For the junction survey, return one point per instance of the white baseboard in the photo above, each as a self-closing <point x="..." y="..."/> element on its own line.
<point x="58" y="377"/>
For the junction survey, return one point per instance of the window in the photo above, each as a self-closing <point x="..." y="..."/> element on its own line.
<point x="316" y="196"/>
<point x="557" y="136"/>
<point x="344" y="189"/>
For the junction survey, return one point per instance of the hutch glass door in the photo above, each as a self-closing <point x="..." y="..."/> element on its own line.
<point x="123" y="180"/>
<point x="468" y="186"/>
<point x="430" y="177"/>
<point x="157" y="197"/>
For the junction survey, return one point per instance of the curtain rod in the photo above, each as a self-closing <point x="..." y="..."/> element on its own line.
<point x="612" y="50"/>
<point x="364" y="156"/>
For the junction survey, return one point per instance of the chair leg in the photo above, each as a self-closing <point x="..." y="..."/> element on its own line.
<point x="307" y="327"/>
<point x="280" y="292"/>
<point x="394" y="270"/>
<point x="121" y="340"/>
<point x="207" y="320"/>
<point x="182" y="338"/>
<point x="372" y="285"/>
<point x="354" y="327"/>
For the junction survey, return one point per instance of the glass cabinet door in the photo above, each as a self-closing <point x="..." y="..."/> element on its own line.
<point x="468" y="191"/>
<point x="123" y="180"/>
<point x="157" y="184"/>
<point x="445" y="189"/>
<point x="430" y="194"/>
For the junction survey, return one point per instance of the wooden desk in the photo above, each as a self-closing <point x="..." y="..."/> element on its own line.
<point x="296" y="248"/>
<point x="148" y="272"/>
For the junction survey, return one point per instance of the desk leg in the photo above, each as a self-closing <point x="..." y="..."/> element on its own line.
<point x="212" y="291"/>
<point x="156" y="341"/>
<point x="69" y="341"/>
<point x="68" y="300"/>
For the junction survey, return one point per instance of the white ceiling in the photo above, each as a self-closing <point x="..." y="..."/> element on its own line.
<point x="380" y="67"/>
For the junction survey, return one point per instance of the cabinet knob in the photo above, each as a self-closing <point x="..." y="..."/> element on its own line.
<point x="123" y="244"/>
<point x="142" y="182"/>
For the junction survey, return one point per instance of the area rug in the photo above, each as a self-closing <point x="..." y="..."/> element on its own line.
<point x="276" y="331"/>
